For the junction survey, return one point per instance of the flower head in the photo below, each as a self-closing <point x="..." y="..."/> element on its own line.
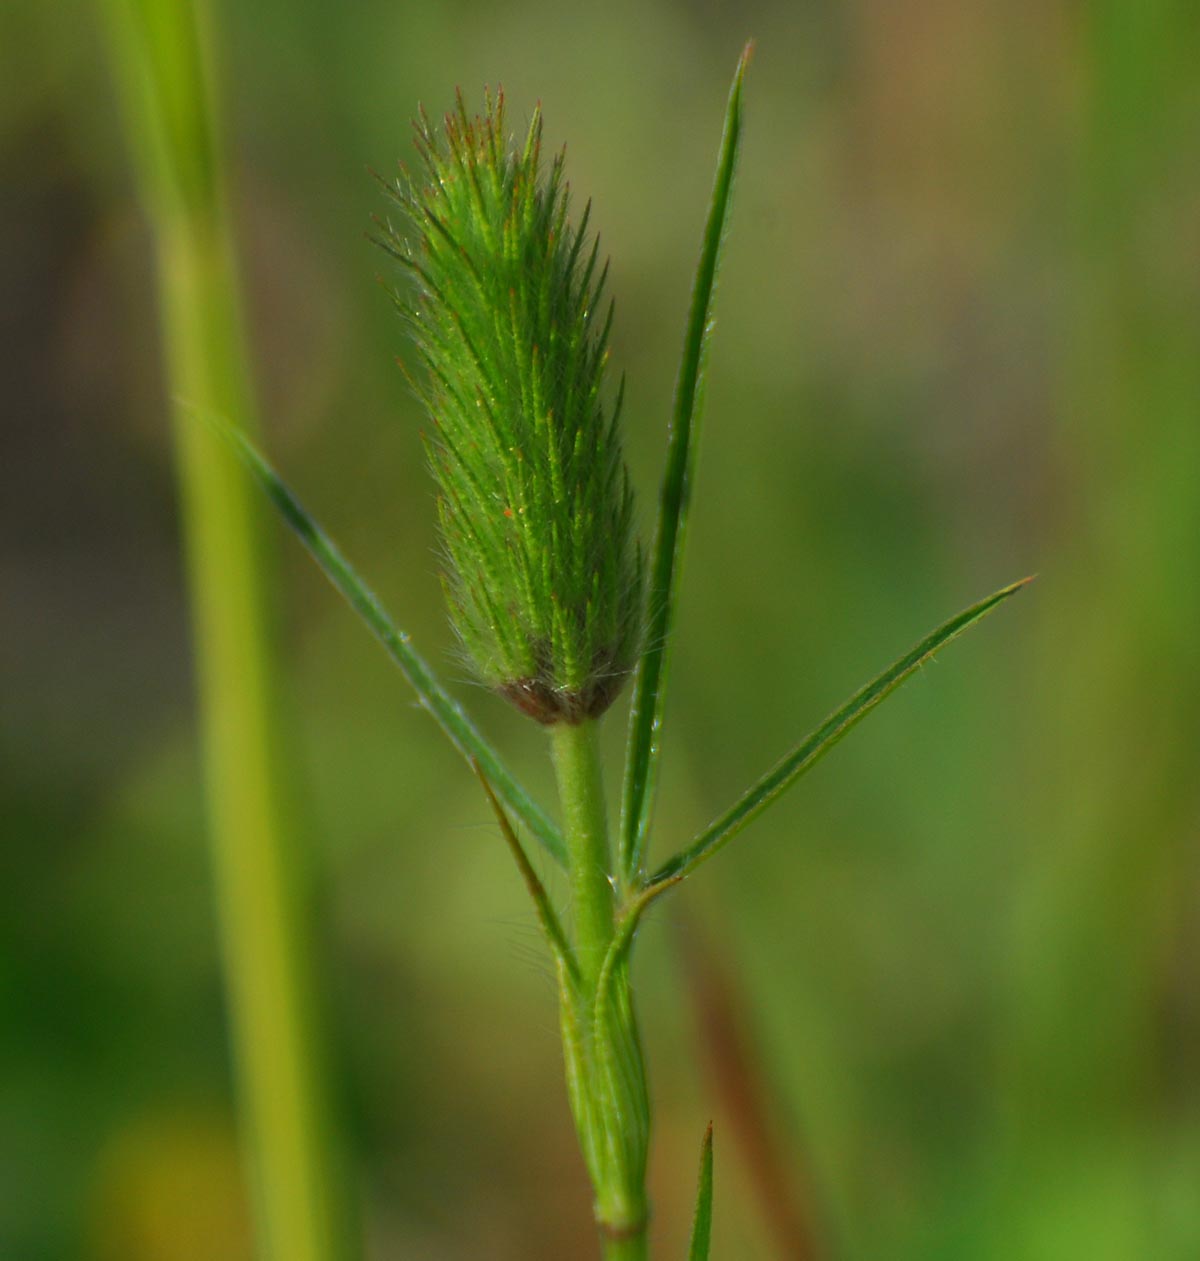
<point x="543" y="571"/>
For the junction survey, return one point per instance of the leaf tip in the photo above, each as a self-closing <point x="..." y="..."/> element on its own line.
<point x="702" y="1222"/>
<point x="739" y="75"/>
<point x="1014" y="587"/>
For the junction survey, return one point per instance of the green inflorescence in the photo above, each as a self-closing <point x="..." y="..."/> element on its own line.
<point x="543" y="570"/>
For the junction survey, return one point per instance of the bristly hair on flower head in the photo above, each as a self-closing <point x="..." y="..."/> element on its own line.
<point x="543" y="572"/>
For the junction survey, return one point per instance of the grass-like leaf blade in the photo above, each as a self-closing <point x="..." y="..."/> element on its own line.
<point x="646" y="709"/>
<point x="446" y="711"/>
<point x="702" y="1222"/>
<point x="806" y="754"/>
<point x="547" y="917"/>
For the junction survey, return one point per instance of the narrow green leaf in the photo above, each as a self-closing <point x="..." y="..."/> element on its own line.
<point x="806" y="754"/>
<point x="446" y="712"/>
<point x="702" y="1224"/>
<point x="553" y="930"/>
<point x="646" y="710"/>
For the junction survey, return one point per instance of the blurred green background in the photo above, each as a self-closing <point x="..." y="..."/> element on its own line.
<point x="959" y="324"/>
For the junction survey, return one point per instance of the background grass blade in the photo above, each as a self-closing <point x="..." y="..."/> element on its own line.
<point x="702" y="1223"/>
<point x="160" y="57"/>
<point x="646" y="710"/>
<point x="447" y="712"/>
<point x="806" y="754"/>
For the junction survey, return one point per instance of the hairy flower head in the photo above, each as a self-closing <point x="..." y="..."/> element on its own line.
<point x="543" y="572"/>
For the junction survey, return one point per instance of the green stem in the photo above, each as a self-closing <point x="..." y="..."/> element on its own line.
<point x="606" y="1078"/>
<point x="261" y="893"/>
<point x="160" y="57"/>
<point x="581" y="791"/>
<point x="627" y="1248"/>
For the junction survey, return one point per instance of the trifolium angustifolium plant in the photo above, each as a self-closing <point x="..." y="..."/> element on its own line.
<point x="503" y="294"/>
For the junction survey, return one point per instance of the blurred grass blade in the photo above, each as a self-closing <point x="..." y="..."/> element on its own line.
<point x="160" y="54"/>
<point x="446" y="711"/>
<point x="646" y="710"/>
<point x="549" y="921"/>
<point x="702" y="1224"/>
<point x="806" y="754"/>
<point x="778" y="1173"/>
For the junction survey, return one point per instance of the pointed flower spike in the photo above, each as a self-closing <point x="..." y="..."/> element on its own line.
<point x="543" y="572"/>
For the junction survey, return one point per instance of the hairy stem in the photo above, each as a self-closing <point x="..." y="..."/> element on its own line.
<point x="605" y="1074"/>
<point x="581" y="790"/>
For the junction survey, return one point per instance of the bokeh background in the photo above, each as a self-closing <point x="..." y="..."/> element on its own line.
<point x="942" y="1002"/>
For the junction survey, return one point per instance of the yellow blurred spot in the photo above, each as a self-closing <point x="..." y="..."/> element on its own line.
<point x="169" y="1188"/>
